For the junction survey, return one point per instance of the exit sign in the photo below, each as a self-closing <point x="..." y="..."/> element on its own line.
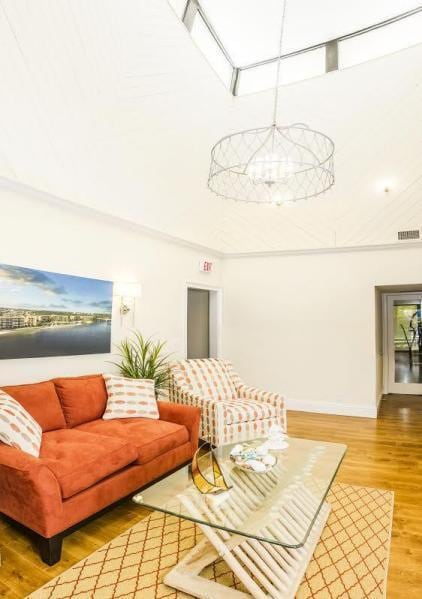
<point x="205" y="266"/>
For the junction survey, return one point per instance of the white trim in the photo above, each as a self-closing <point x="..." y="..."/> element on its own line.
<point x="216" y="318"/>
<point x="390" y="385"/>
<point x="384" y="343"/>
<point x="53" y="200"/>
<point x="328" y="407"/>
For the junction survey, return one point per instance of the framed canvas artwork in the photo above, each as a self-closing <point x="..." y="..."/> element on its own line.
<point x="44" y="314"/>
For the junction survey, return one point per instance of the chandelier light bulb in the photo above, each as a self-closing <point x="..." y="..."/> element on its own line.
<point x="269" y="169"/>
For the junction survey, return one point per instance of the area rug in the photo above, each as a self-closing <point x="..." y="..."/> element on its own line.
<point x="350" y="560"/>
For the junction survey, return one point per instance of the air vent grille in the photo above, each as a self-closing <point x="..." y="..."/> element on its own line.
<point x="403" y="235"/>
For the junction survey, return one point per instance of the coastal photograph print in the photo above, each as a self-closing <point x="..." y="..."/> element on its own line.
<point x="44" y="314"/>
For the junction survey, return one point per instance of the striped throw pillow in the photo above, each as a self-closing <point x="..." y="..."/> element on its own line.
<point x="17" y="427"/>
<point x="130" y="398"/>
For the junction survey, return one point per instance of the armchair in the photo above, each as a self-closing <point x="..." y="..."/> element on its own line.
<point x="231" y="411"/>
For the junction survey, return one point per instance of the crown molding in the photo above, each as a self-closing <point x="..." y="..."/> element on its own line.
<point x="49" y="198"/>
<point x="53" y="200"/>
<point x="404" y="245"/>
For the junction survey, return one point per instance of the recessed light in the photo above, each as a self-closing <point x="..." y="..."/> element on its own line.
<point x="385" y="185"/>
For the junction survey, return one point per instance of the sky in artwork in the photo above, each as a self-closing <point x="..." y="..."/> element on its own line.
<point x="41" y="290"/>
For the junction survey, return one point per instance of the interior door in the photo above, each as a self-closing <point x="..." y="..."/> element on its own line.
<point x="404" y="335"/>
<point x="198" y="322"/>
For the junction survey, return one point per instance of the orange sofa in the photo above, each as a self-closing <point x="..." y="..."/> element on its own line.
<point x="86" y="463"/>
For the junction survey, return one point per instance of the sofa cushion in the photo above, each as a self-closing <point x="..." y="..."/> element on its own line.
<point x="150" y="437"/>
<point x="79" y="459"/>
<point x="83" y="398"/>
<point x="41" y="401"/>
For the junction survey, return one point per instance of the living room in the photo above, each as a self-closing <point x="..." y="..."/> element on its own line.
<point x="305" y="397"/>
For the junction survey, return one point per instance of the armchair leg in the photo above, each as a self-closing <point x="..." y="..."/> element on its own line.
<point x="50" y="549"/>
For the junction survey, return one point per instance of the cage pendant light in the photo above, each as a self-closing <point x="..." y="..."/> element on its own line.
<point x="273" y="164"/>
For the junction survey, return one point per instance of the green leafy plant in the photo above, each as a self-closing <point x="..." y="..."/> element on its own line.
<point x="143" y="358"/>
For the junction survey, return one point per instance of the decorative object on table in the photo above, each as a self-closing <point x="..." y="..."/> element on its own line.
<point x="232" y="412"/>
<point x="276" y="438"/>
<point x="218" y="483"/>
<point x="130" y="398"/>
<point x="143" y="358"/>
<point x="273" y="164"/>
<point x="44" y="314"/>
<point x="254" y="458"/>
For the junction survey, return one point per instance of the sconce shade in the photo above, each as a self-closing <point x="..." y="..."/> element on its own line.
<point x="127" y="289"/>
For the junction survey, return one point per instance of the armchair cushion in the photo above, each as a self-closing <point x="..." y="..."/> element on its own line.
<point x="208" y="379"/>
<point x="242" y="410"/>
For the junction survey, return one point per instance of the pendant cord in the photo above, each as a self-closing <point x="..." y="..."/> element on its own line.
<point x="280" y="48"/>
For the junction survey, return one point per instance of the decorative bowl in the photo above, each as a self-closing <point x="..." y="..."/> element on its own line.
<point x="252" y="458"/>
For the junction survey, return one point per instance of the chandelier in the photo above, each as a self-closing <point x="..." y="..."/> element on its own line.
<point x="273" y="164"/>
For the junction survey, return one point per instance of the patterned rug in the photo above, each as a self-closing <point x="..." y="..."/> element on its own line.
<point x="350" y="560"/>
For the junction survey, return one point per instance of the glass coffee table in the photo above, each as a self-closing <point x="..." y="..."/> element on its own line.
<point x="265" y="527"/>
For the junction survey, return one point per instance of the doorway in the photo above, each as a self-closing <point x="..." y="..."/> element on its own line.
<point x="203" y="322"/>
<point x="403" y="351"/>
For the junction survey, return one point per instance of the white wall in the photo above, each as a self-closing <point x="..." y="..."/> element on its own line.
<point x="37" y="234"/>
<point x="305" y="325"/>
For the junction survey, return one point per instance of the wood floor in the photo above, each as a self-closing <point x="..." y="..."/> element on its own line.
<point x="385" y="453"/>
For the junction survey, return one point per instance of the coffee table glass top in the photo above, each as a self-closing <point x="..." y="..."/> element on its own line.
<point x="279" y="506"/>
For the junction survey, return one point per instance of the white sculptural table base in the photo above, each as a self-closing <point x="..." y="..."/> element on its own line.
<point x="265" y="569"/>
<point x="265" y="526"/>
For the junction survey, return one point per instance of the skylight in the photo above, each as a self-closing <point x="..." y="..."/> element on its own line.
<point x="240" y="37"/>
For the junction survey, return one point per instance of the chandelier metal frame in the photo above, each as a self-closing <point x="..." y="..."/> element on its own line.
<point x="273" y="164"/>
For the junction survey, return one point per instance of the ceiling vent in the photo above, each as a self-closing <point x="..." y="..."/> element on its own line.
<point x="404" y="235"/>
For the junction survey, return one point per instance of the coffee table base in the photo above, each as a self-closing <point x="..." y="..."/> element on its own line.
<point x="278" y="570"/>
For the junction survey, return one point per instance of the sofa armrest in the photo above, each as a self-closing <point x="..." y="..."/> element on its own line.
<point x="189" y="416"/>
<point x="274" y="399"/>
<point x="29" y="491"/>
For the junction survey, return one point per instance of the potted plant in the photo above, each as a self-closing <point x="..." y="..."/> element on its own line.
<point x="144" y="359"/>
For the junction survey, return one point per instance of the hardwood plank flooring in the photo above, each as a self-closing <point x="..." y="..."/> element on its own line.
<point x="385" y="453"/>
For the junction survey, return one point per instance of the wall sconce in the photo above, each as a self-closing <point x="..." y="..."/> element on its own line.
<point x="128" y="292"/>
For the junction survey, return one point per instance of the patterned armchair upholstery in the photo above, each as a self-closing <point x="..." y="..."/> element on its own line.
<point x="231" y="411"/>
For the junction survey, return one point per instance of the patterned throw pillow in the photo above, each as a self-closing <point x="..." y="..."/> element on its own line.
<point x="17" y="427"/>
<point x="130" y="398"/>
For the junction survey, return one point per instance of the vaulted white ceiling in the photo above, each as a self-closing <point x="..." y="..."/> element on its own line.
<point x="111" y="105"/>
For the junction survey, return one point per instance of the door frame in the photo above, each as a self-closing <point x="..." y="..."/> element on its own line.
<point x="389" y="386"/>
<point x="216" y="318"/>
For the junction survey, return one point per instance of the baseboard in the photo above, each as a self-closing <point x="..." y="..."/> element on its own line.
<point x="328" y="407"/>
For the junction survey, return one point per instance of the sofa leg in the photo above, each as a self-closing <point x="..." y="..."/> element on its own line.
<point x="50" y="549"/>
